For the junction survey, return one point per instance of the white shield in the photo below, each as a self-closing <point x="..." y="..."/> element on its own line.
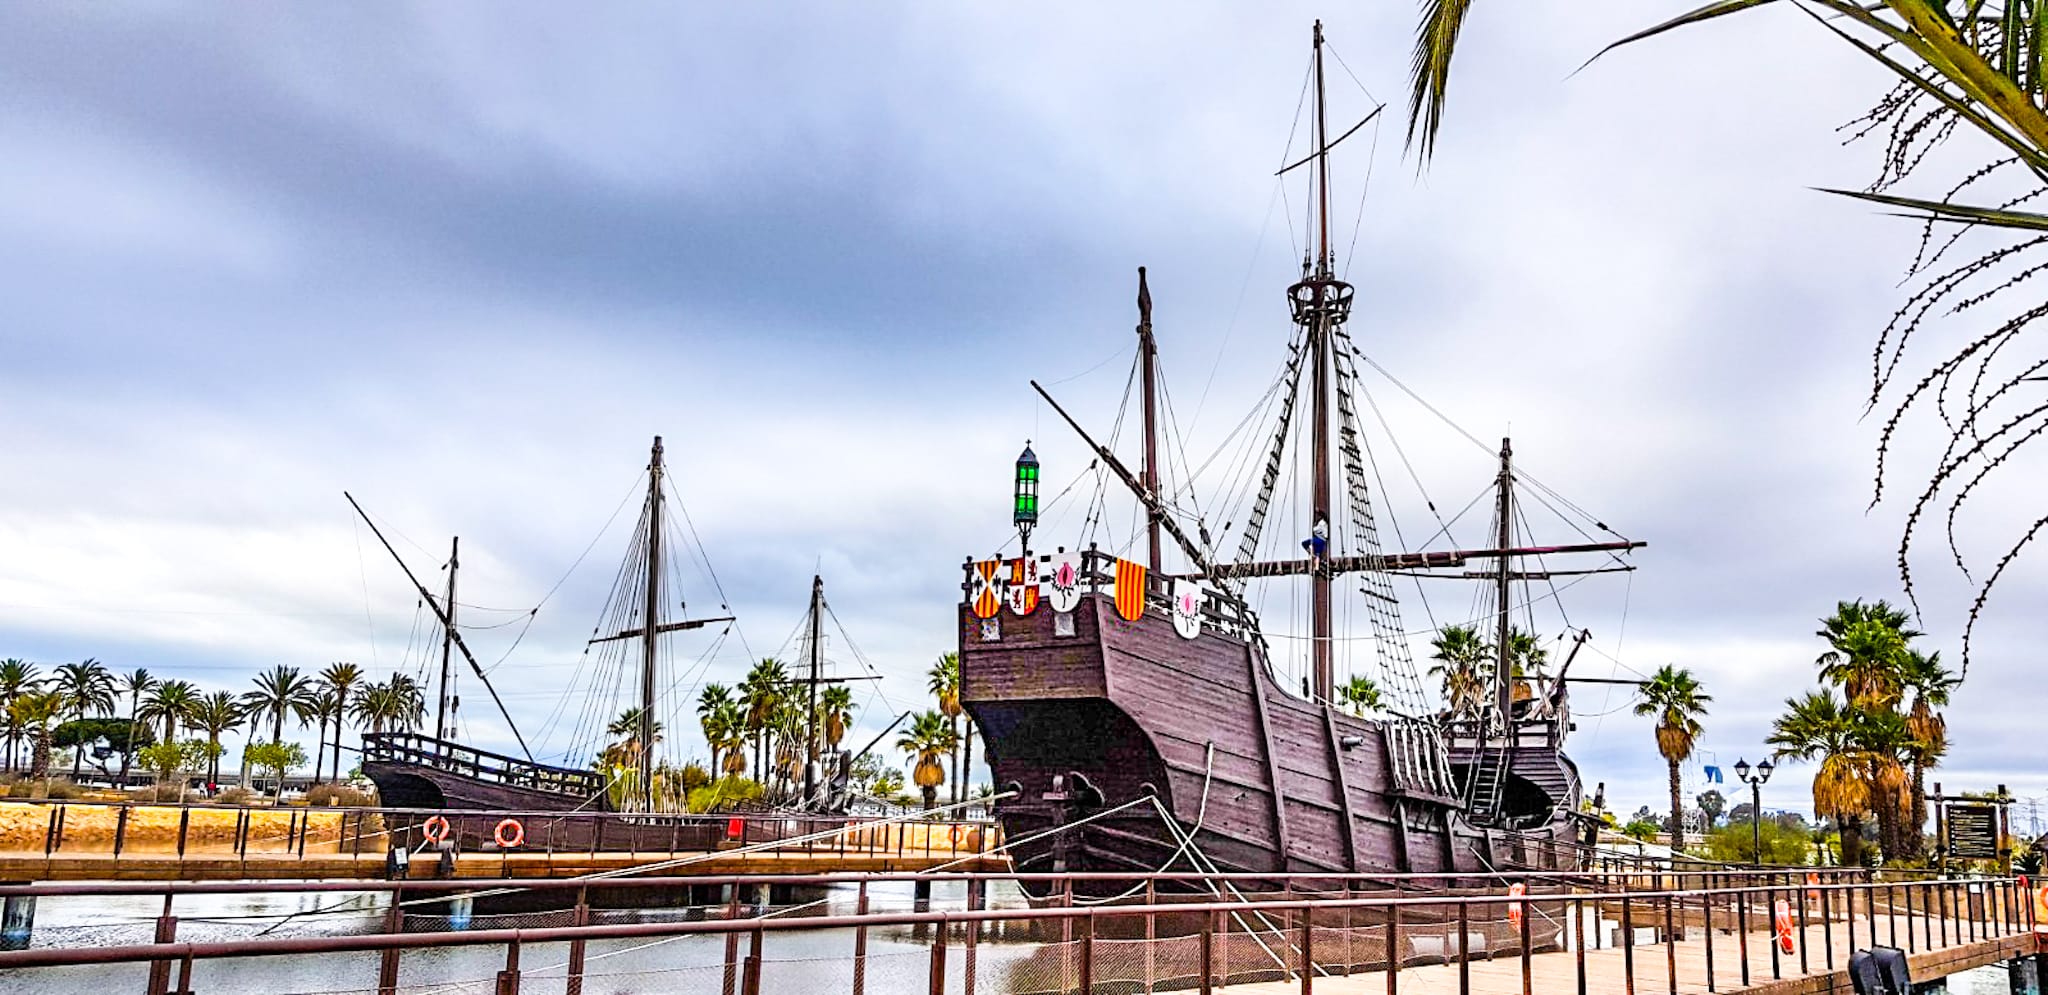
<point x="1062" y="580"/>
<point x="1187" y="608"/>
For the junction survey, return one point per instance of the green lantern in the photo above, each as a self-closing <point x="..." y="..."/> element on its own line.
<point x="1026" y="513"/>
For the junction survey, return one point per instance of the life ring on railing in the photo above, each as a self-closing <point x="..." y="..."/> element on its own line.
<point x="513" y="842"/>
<point x="1782" y="921"/>
<point x="955" y="836"/>
<point x="1516" y="891"/>
<point x="435" y="829"/>
<point x="1812" y="886"/>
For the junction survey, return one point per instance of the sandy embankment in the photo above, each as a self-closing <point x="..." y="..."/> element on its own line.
<point x="24" y="827"/>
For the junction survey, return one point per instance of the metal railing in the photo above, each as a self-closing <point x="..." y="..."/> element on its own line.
<point x="1694" y="930"/>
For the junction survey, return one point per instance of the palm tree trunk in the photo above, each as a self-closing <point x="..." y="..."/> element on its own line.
<point x="1887" y="810"/>
<point x="78" y="751"/>
<point x="320" y="750"/>
<point x="1677" y="812"/>
<point x="955" y="793"/>
<point x="1918" y="832"/>
<point x="1852" y="840"/>
<point x="126" y="755"/>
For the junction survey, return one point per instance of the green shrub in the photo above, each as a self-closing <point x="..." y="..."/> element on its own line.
<point x="1782" y="844"/>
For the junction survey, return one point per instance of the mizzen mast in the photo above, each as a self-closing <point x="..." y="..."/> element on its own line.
<point x="1504" y="678"/>
<point x="447" y="640"/>
<point x="1148" y="359"/>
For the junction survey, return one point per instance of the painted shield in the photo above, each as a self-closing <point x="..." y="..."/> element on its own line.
<point x="1062" y="579"/>
<point x="1130" y="590"/>
<point x="1187" y="608"/>
<point x="982" y="596"/>
<point x="1021" y="590"/>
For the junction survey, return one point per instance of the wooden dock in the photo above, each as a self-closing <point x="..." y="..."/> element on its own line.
<point x="471" y="865"/>
<point x="1681" y="967"/>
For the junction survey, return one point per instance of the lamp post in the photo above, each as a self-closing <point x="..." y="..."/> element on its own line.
<point x="1756" y="803"/>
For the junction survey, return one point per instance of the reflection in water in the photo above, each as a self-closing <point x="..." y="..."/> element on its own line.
<point x="811" y="962"/>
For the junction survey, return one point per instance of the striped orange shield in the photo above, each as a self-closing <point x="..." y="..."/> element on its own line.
<point x="1130" y="590"/>
<point x="986" y="600"/>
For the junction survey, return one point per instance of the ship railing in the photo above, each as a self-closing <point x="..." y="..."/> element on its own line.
<point x="1701" y="931"/>
<point x="482" y="765"/>
<point x="35" y="832"/>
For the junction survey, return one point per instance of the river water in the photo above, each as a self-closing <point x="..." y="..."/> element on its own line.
<point x="810" y="962"/>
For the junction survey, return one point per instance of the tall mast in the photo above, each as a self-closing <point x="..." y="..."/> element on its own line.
<point x="651" y="627"/>
<point x="817" y="664"/>
<point x="1148" y="358"/>
<point x="1504" y="678"/>
<point x="447" y="640"/>
<point x="1321" y="318"/>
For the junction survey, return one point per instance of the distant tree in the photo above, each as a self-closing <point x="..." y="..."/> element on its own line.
<point x="171" y="703"/>
<point x="1711" y="805"/>
<point x="33" y="711"/>
<point x="864" y="770"/>
<point x="1641" y="829"/>
<point x="1735" y="843"/>
<point x="1360" y="695"/>
<point x="928" y="740"/>
<point x="1460" y="657"/>
<point x="135" y="684"/>
<point x="17" y="677"/>
<point x="944" y="682"/>
<point x="1674" y="697"/>
<point x="214" y="715"/>
<point x="86" y="688"/>
<point x="171" y="761"/>
<point x="337" y="684"/>
<point x="277" y="758"/>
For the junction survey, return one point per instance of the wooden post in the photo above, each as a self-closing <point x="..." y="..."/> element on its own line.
<point x="1527" y="975"/>
<point x="508" y="979"/>
<point x="120" y="828"/>
<point x="1393" y="950"/>
<point x="1464" y="949"/>
<point x="1670" y="943"/>
<point x="1151" y="898"/>
<point x="751" y="985"/>
<point x="1628" y="942"/>
<point x="1208" y="953"/>
<point x="575" y="979"/>
<point x="387" y="962"/>
<point x="1308" y="956"/>
<point x="1579" y="955"/>
<point x="1742" y="928"/>
<point x="860" y="943"/>
<point x="938" y="978"/>
<point x="1087" y="959"/>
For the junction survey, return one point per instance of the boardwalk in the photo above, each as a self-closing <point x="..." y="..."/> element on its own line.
<point x="1607" y="971"/>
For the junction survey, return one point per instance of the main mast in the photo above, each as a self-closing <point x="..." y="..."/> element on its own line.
<point x="1504" y="678"/>
<point x="651" y="627"/>
<point x="447" y="640"/>
<point x="1320" y="303"/>
<point x="817" y="665"/>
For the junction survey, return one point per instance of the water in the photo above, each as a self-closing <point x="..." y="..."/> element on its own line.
<point x="812" y="962"/>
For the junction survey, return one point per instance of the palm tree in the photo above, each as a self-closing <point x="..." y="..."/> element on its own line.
<point x="1361" y="694"/>
<point x="1821" y="727"/>
<point x="835" y="713"/>
<point x="1460" y="654"/>
<point x="760" y="692"/>
<point x="281" y="692"/>
<point x="408" y="703"/>
<point x="626" y="748"/>
<point x="339" y="679"/>
<point x="214" y="715"/>
<point x="1931" y="684"/>
<point x="1868" y="658"/>
<point x="83" y="687"/>
<point x="136" y="683"/>
<point x="1526" y="661"/>
<point x="929" y="738"/>
<point x="33" y="710"/>
<point x="944" y="681"/>
<point x="711" y="701"/>
<point x="1673" y="695"/>
<point x="725" y="730"/>
<point x="171" y="703"/>
<point x="17" y="677"/>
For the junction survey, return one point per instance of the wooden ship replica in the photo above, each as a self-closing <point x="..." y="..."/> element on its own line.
<point x="439" y="774"/>
<point x="1134" y="722"/>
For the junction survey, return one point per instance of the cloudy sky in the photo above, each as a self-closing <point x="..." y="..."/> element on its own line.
<point x="464" y="260"/>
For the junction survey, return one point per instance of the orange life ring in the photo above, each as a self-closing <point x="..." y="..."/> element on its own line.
<point x="955" y="834"/>
<point x="515" y="841"/>
<point x="435" y="829"/>
<point x="1516" y="891"/>
<point x="1812" y="886"/>
<point x="1783" y="921"/>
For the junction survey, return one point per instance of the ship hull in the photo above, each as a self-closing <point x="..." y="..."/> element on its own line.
<point x="1131" y="749"/>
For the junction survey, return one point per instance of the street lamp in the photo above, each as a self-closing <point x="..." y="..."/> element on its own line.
<point x="1756" y="803"/>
